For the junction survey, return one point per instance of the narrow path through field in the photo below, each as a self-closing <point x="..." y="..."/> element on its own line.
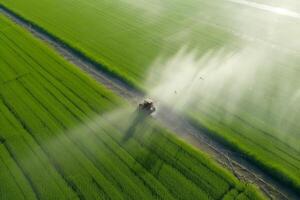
<point x="242" y="169"/>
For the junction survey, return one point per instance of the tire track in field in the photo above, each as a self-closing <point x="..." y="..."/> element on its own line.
<point x="56" y="166"/>
<point x="34" y="189"/>
<point x="32" y="150"/>
<point x="2" y="142"/>
<point x="14" y="157"/>
<point x="234" y="161"/>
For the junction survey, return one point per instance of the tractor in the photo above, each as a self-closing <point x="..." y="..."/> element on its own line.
<point x="147" y="107"/>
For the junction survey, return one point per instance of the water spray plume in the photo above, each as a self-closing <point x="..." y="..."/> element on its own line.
<point x="272" y="9"/>
<point x="186" y="78"/>
<point x="244" y="82"/>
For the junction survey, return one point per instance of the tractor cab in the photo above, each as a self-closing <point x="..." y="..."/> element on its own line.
<point x="147" y="106"/>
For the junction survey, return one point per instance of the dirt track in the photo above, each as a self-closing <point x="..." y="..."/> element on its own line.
<point x="235" y="162"/>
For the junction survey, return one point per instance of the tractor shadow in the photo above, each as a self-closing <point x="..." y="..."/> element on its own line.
<point x="138" y="121"/>
<point x="147" y="160"/>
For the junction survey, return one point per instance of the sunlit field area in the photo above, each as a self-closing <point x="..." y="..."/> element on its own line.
<point x="228" y="67"/>
<point x="63" y="136"/>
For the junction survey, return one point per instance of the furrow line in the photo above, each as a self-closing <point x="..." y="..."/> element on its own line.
<point x="34" y="189"/>
<point x="54" y="164"/>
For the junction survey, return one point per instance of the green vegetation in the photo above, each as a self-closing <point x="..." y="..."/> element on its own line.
<point x="110" y="33"/>
<point x="45" y="155"/>
<point x="126" y="37"/>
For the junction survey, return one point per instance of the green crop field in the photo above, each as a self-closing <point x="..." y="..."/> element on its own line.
<point x="44" y="154"/>
<point x="251" y="102"/>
